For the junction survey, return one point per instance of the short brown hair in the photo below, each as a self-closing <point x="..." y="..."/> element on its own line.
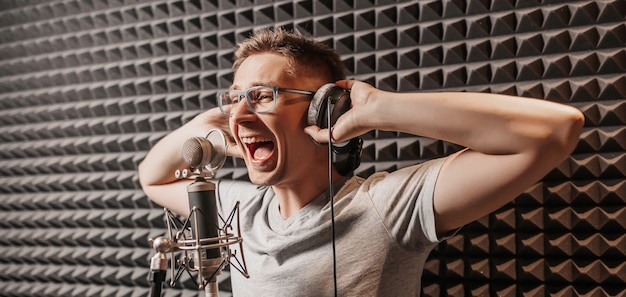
<point x="306" y="55"/>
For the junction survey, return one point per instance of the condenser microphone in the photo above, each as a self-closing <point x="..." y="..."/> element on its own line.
<point x="206" y="245"/>
<point x="200" y="152"/>
<point x="205" y="153"/>
<point x="205" y="225"/>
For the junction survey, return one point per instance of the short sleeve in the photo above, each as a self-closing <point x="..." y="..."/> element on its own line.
<point x="404" y="202"/>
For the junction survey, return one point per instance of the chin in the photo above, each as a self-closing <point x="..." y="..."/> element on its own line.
<point x="263" y="177"/>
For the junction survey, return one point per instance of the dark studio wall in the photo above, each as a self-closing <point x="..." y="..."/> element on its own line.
<point x="88" y="86"/>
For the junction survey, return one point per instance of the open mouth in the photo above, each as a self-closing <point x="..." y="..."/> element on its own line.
<point x="259" y="149"/>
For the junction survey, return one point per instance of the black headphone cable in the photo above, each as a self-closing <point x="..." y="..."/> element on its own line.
<point x="331" y="195"/>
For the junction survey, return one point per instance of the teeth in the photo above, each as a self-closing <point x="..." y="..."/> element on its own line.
<point x="249" y="140"/>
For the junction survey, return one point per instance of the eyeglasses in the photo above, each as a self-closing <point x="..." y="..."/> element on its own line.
<point x="260" y="99"/>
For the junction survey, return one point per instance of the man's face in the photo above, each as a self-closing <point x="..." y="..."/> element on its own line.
<point x="275" y="148"/>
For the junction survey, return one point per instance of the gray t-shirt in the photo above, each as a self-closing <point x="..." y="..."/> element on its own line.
<point x="384" y="228"/>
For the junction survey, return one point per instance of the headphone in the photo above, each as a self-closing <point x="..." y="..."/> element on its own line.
<point x="334" y="100"/>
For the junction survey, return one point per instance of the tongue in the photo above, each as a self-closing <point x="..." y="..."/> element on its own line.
<point x="263" y="150"/>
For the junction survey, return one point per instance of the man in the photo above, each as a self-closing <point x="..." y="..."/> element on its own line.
<point x="387" y="224"/>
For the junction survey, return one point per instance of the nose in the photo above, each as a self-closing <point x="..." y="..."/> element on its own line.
<point x="241" y="110"/>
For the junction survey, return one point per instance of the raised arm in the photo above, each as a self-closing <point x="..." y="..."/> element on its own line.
<point x="512" y="142"/>
<point x="156" y="171"/>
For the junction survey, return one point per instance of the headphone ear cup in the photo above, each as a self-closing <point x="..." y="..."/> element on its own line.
<point x="318" y="104"/>
<point x="339" y="100"/>
<point x="349" y="156"/>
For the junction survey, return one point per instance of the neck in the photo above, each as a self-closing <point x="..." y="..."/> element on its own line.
<point x="293" y="196"/>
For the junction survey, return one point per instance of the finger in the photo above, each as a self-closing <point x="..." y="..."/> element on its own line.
<point x="317" y="134"/>
<point x="233" y="150"/>
<point x="346" y="84"/>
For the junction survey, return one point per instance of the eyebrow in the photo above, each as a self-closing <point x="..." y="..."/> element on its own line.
<point x="254" y="84"/>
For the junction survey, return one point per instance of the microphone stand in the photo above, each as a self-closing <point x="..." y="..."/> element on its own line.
<point x="158" y="268"/>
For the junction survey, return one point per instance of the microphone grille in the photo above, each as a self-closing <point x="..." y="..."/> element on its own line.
<point x="197" y="152"/>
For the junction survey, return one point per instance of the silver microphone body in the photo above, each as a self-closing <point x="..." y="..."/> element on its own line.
<point x="205" y="153"/>
<point x="206" y="246"/>
<point x="199" y="152"/>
